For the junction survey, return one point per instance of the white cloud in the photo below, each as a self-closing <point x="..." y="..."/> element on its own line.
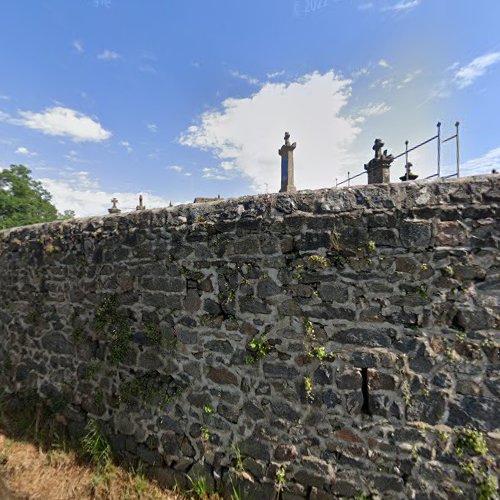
<point x="466" y="75"/>
<point x="25" y="151"/>
<point x="79" y="192"/>
<point x="216" y="173"/>
<point x="484" y="164"/>
<point x="383" y="63"/>
<point x="360" y="72"/>
<point x="108" y="55"/>
<point x="72" y="155"/>
<point x="4" y="97"/>
<point x="403" y="6"/>
<point x="372" y="109"/>
<point x="365" y="6"/>
<point x="247" y="133"/>
<point x="78" y="46"/>
<point x="152" y="127"/>
<point x="246" y="78"/>
<point x="127" y="146"/>
<point x="61" y="121"/>
<point x="276" y="74"/>
<point x="176" y="168"/>
<point x="409" y="78"/>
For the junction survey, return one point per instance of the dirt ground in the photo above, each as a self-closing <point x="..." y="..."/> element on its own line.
<point x="29" y="473"/>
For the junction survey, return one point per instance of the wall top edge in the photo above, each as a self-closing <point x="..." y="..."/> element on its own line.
<point x="402" y="195"/>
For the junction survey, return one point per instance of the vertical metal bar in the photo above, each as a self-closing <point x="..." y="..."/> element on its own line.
<point x="457" y="125"/>
<point x="348" y="179"/>
<point x="406" y="161"/>
<point x="336" y="183"/>
<point x="439" y="149"/>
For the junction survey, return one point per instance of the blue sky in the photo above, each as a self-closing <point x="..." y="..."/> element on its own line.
<point x="177" y="99"/>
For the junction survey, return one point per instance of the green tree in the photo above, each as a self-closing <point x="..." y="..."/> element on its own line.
<point x="23" y="200"/>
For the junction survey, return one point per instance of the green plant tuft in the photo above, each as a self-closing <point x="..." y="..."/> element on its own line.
<point x="472" y="442"/>
<point x="153" y="333"/>
<point x="259" y="347"/>
<point x="110" y="321"/>
<point x="95" y="445"/>
<point x="318" y="261"/>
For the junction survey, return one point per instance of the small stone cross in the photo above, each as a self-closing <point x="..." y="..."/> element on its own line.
<point x="114" y="209"/>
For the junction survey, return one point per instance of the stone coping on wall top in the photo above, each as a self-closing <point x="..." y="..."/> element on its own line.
<point x="403" y="195"/>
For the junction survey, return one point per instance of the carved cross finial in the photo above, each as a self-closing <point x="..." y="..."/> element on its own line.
<point x="114" y="209"/>
<point x="377" y="147"/>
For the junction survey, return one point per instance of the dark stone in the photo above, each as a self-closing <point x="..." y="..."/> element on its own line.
<point x="222" y="346"/>
<point x="285" y="453"/>
<point x="230" y="413"/>
<point x="222" y="376"/>
<point x="289" y="308"/>
<point x="148" y="456"/>
<point x="364" y="337"/>
<point x="349" y="380"/>
<point x="57" y="344"/>
<point x="192" y="301"/>
<point x="253" y="411"/>
<point x="325" y="311"/>
<point x="323" y="375"/>
<point x="428" y="409"/>
<point x="254" y="448"/>
<point x="187" y="336"/>
<point x="406" y="265"/>
<point x="170" y="478"/>
<point x="212" y="307"/>
<point x="206" y="285"/>
<point x="314" y="241"/>
<point x="476" y="411"/>
<point x="170" y="424"/>
<point x="284" y="410"/>
<point x="334" y="293"/>
<point x="308" y="478"/>
<point x="385" y="237"/>
<point x="253" y="305"/>
<point x="330" y="399"/>
<point x="267" y="288"/>
<point x="415" y="234"/>
<point x="280" y="370"/>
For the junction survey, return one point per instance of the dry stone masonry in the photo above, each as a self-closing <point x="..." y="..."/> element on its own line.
<point x="331" y="343"/>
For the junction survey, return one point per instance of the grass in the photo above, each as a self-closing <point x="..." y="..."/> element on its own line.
<point x="39" y="461"/>
<point x="30" y="472"/>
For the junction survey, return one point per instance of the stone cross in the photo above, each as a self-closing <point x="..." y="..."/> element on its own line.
<point x="114" y="209"/>
<point x="141" y="205"/>
<point x="287" y="166"/>
<point x="379" y="168"/>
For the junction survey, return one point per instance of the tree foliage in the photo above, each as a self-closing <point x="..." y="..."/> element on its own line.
<point x="23" y="200"/>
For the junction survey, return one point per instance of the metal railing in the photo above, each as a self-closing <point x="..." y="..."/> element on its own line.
<point x="407" y="151"/>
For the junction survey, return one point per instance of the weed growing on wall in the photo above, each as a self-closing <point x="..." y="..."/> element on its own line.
<point x="153" y="333"/>
<point x="280" y="479"/>
<point x="470" y="441"/>
<point x="259" y="347"/>
<point x="318" y="262"/>
<point x="308" y="388"/>
<point x="95" y="445"/>
<point x="115" y="325"/>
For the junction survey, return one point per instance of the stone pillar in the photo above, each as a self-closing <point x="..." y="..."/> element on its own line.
<point x="287" y="167"/>
<point x="379" y="168"/>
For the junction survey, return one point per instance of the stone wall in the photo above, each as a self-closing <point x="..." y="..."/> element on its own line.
<point x="331" y="343"/>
